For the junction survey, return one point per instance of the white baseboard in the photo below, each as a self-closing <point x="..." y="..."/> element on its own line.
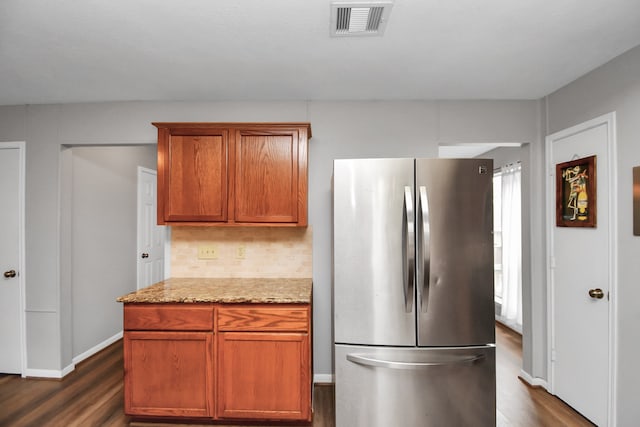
<point x="509" y="324"/>
<point x="533" y="381"/>
<point x="93" y="350"/>
<point x="61" y="373"/>
<point x="48" y="373"/>
<point x="323" y="378"/>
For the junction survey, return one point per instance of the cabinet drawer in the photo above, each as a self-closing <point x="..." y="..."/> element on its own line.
<point x="261" y="318"/>
<point x="168" y="317"/>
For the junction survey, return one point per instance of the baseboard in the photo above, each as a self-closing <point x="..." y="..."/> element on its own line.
<point x="48" y="373"/>
<point x="93" y="350"/>
<point x="509" y="324"/>
<point x="61" y="373"/>
<point x="323" y="378"/>
<point x="532" y="381"/>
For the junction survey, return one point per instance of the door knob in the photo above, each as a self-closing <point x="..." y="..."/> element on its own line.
<point x="596" y="293"/>
<point x="145" y="255"/>
<point x="9" y="274"/>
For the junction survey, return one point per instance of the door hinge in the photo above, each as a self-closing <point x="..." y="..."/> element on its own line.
<point x="553" y="355"/>
<point x="552" y="262"/>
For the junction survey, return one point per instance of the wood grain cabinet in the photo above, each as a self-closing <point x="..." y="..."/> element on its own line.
<point x="264" y="364"/>
<point x="168" y="360"/>
<point x="255" y="364"/>
<point x="232" y="173"/>
<point x="192" y="174"/>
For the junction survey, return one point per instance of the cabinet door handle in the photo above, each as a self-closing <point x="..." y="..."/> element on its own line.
<point x="145" y="255"/>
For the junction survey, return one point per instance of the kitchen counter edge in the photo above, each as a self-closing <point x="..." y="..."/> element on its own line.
<point x="224" y="290"/>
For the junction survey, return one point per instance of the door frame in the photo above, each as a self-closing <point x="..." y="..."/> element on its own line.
<point x="608" y="120"/>
<point x="21" y="147"/>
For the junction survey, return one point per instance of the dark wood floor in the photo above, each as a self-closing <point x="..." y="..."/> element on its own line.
<point x="92" y="395"/>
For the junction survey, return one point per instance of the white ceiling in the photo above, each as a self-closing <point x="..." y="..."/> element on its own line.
<point x="102" y="50"/>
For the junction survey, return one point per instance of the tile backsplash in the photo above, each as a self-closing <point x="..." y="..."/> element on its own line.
<point x="268" y="252"/>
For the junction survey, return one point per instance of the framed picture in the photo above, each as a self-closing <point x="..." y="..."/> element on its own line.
<point x="636" y="201"/>
<point x="576" y="198"/>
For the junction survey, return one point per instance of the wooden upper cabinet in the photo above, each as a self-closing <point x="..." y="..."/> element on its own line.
<point x="232" y="173"/>
<point x="192" y="175"/>
<point x="266" y="176"/>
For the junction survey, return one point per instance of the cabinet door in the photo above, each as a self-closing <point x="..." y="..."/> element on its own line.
<point x="266" y="176"/>
<point x="168" y="373"/>
<point x="194" y="168"/>
<point x="264" y="376"/>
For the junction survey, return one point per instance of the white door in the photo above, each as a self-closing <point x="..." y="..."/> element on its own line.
<point x="11" y="303"/>
<point x="150" y="235"/>
<point x="581" y="262"/>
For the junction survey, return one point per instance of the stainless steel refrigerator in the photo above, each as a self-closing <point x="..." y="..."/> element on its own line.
<point x="413" y="295"/>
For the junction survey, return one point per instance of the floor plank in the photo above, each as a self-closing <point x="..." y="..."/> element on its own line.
<point x="92" y="395"/>
<point x="519" y="404"/>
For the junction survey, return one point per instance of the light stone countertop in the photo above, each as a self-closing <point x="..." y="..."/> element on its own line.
<point x="228" y="290"/>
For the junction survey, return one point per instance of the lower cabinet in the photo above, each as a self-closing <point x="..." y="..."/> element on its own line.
<point x="169" y="373"/>
<point x="252" y="363"/>
<point x="263" y="376"/>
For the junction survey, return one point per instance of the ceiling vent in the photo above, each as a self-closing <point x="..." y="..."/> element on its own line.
<point x="359" y="19"/>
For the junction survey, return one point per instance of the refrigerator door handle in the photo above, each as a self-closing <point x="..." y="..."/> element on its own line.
<point x="408" y="249"/>
<point x="365" y="360"/>
<point x="424" y="247"/>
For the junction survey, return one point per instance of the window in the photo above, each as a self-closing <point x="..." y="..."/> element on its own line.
<point x="507" y="243"/>
<point x="497" y="236"/>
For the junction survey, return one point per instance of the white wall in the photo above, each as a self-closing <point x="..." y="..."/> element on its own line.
<point x="103" y="238"/>
<point x="615" y="87"/>
<point x="340" y="129"/>
<point x="503" y="156"/>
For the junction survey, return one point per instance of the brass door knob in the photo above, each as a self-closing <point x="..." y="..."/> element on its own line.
<point x="596" y="293"/>
<point x="145" y="255"/>
<point x="9" y="274"/>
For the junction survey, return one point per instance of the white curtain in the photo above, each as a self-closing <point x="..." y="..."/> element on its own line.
<point x="511" y="245"/>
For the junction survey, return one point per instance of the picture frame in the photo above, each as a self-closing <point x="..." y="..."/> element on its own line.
<point x="576" y="198"/>
<point x="636" y="201"/>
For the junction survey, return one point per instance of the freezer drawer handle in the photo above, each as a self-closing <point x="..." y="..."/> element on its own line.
<point x="408" y="249"/>
<point x="453" y="360"/>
